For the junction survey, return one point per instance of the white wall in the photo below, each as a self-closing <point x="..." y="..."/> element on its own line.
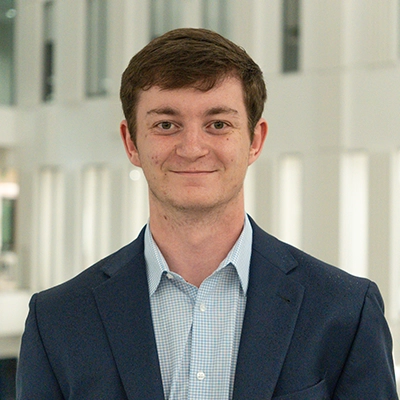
<point x="343" y="100"/>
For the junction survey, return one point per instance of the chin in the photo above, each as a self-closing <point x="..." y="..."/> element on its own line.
<point x="193" y="203"/>
<point x="193" y="206"/>
<point x="199" y="205"/>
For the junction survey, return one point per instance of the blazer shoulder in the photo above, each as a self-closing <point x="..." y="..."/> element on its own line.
<point x="131" y="255"/>
<point x="306" y="269"/>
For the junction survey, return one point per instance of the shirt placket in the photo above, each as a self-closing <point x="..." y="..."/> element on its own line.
<point x="201" y="358"/>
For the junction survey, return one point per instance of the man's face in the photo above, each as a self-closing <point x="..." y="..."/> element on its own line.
<point x="194" y="147"/>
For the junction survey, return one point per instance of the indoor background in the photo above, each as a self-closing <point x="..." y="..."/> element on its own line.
<point x="327" y="182"/>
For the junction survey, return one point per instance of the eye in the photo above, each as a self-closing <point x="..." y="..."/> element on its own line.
<point x="218" y="125"/>
<point x="165" y="125"/>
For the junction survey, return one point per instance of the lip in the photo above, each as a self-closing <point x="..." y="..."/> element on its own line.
<point x="193" y="173"/>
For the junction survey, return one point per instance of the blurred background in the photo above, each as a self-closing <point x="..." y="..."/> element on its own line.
<point x="327" y="182"/>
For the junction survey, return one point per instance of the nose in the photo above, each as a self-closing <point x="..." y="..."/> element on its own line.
<point x="192" y="144"/>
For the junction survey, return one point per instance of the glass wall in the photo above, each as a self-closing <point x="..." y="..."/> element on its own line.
<point x="96" y="48"/>
<point x="8" y="14"/>
<point x="164" y="16"/>
<point x="9" y="191"/>
<point x="215" y="15"/>
<point x="48" y="50"/>
<point x="291" y="35"/>
<point x="170" y="14"/>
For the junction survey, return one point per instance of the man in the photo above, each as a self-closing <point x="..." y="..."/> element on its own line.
<point x="203" y="304"/>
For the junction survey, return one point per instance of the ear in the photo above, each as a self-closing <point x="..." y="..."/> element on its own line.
<point x="260" y="134"/>
<point x="130" y="147"/>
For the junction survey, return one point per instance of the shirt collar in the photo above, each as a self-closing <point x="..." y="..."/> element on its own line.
<point x="239" y="256"/>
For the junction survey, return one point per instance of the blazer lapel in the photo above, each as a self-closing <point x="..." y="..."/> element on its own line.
<point x="273" y="304"/>
<point x="124" y="306"/>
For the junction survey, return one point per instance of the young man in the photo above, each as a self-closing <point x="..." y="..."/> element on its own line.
<point x="203" y="304"/>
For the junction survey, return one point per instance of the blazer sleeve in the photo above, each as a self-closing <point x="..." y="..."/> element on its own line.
<point x="369" y="372"/>
<point x="35" y="377"/>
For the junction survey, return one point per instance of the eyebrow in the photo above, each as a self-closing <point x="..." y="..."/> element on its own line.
<point x="209" y="112"/>
<point x="163" y="111"/>
<point x="221" y="110"/>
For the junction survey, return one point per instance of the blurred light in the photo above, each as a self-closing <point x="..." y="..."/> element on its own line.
<point x="9" y="190"/>
<point x="11" y="13"/>
<point x="134" y="175"/>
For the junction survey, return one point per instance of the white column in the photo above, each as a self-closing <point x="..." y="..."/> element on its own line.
<point x="379" y="215"/>
<point x="266" y="31"/>
<point x="369" y="31"/>
<point x="134" y="28"/>
<point x="135" y="211"/>
<point x="291" y="199"/>
<point x="320" y="34"/>
<point x="353" y="240"/>
<point x="70" y="47"/>
<point x="95" y="214"/>
<point x="395" y="236"/>
<point x="48" y="235"/>
<point x="29" y="52"/>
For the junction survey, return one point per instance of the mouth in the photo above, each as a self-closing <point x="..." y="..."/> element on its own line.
<point x="193" y="173"/>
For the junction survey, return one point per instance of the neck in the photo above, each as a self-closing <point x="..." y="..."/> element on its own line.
<point x="195" y="243"/>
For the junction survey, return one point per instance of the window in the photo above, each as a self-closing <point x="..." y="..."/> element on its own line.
<point x="215" y="14"/>
<point x="96" y="48"/>
<point x="165" y="15"/>
<point x="9" y="191"/>
<point x="172" y="14"/>
<point x="7" y="21"/>
<point x="291" y="35"/>
<point x="48" y="51"/>
<point x="7" y="208"/>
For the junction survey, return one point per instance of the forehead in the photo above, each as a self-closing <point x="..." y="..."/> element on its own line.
<point x="227" y="93"/>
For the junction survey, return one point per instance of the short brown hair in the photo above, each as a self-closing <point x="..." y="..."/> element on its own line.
<point x="189" y="57"/>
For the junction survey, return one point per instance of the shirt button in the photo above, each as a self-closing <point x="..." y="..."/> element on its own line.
<point x="203" y="307"/>
<point x="201" y="375"/>
<point x="170" y="276"/>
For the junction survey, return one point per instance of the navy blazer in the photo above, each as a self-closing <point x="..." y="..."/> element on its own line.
<point x="310" y="331"/>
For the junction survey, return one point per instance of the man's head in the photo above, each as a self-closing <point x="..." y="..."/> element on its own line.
<point x="196" y="58"/>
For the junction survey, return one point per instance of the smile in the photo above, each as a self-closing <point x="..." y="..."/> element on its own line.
<point x="193" y="173"/>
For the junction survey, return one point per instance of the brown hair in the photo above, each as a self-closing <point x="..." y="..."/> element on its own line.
<point x="196" y="58"/>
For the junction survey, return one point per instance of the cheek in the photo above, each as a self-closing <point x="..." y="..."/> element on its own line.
<point x="156" y="153"/>
<point x="149" y="156"/>
<point x="237" y="155"/>
<point x="154" y="160"/>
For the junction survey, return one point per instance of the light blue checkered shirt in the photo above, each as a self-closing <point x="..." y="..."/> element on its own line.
<point x="198" y="330"/>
